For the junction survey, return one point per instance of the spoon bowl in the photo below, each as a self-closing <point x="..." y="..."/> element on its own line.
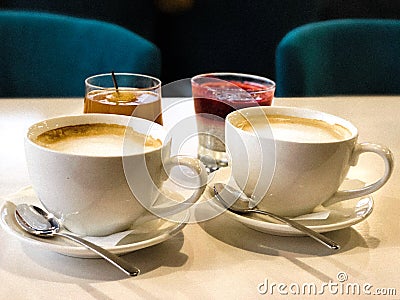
<point x="36" y="221"/>
<point x="237" y="202"/>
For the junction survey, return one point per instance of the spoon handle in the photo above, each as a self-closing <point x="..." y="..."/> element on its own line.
<point x="117" y="261"/>
<point x="311" y="233"/>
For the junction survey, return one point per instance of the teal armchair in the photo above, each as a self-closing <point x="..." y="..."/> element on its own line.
<point x="49" y="55"/>
<point x="340" y="57"/>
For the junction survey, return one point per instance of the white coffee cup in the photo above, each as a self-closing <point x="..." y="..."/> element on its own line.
<point x="298" y="159"/>
<point x="101" y="192"/>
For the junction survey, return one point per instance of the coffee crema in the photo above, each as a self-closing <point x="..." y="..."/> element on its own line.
<point x="97" y="139"/>
<point x="296" y="129"/>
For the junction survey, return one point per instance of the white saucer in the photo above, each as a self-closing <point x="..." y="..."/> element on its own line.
<point x="142" y="236"/>
<point x="341" y="215"/>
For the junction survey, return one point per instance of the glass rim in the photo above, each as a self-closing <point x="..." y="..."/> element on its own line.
<point x="272" y="84"/>
<point x="153" y="87"/>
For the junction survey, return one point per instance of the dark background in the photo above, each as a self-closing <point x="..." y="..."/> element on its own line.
<point x="197" y="36"/>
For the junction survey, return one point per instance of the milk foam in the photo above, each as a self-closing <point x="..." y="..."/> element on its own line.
<point x="296" y="129"/>
<point x="97" y="140"/>
<point x="101" y="145"/>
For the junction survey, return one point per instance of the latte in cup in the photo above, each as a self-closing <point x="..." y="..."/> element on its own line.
<point x="290" y="160"/>
<point x="103" y="173"/>
<point x="295" y="129"/>
<point x="96" y="139"/>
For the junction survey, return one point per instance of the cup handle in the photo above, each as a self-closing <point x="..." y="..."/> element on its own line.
<point x="387" y="157"/>
<point x="199" y="169"/>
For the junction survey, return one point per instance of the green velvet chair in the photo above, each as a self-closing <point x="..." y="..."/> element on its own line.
<point x="340" y="57"/>
<point x="49" y="55"/>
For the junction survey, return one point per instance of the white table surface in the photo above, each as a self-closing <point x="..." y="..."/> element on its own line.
<point x="219" y="258"/>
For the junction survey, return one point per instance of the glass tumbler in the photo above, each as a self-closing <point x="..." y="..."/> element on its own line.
<point x="125" y="94"/>
<point x="215" y="95"/>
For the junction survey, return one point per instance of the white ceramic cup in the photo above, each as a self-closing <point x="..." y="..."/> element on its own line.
<point x="289" y="176"/>
<point x="99" y="195"/>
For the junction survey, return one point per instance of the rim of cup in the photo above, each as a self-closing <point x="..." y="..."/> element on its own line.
<point x="305" y="113"/>
<point x="148" y="128"/>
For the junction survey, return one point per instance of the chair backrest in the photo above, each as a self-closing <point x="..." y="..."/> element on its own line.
<point x="340" y="57"/>
<point x="48" y="55"/>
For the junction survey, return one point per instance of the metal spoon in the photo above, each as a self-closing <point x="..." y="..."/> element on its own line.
<point x="238" y="202"/>
<point x="38" y="222"/>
